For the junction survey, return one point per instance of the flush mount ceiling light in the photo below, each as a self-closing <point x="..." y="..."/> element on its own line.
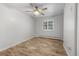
<point x="37" y="11"/>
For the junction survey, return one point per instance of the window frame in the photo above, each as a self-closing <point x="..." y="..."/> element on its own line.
<point x="48" y="25"/>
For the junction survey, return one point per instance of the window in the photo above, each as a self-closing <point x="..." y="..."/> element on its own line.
<point x="44" y="25"/>
<point x="48" y="25"/>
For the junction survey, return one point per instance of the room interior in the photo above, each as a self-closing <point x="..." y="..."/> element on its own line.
<point x="38" y="29"/>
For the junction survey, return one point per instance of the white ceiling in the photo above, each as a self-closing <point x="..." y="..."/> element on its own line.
<point x="53" y="8"/>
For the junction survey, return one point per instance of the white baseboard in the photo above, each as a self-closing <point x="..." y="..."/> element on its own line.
<point x="54" y="37"/>
<point x="14" y="44"/>
<point x="66" y="50"/>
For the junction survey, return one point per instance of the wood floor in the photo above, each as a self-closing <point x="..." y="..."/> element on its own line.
<point x="37" y="47"/>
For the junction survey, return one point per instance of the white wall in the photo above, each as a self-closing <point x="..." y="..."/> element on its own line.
<point x="69" y="28"/>
<point x="14" y="26"/>
<point x="58" y="27"/>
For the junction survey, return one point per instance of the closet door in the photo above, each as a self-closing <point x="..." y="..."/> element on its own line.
<point x="69" y="28"/>
<point x="78" y="29"/>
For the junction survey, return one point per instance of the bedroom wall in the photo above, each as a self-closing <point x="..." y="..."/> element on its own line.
<point x="14" y="27"/>
<point x="58" y="27"/>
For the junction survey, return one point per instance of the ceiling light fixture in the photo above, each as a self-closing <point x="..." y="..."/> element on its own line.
<point x="37" y="11"/>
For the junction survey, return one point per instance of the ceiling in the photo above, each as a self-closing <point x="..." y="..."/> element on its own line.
<point x="53" y="8"/>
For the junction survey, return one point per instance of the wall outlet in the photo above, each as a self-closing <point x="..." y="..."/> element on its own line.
<point x="69" y="49"/>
